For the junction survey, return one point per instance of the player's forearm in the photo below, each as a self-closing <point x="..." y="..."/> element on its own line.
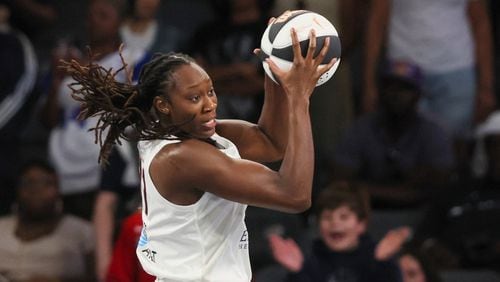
<point x="298" y="163"/>
<point x="273" y="121"/>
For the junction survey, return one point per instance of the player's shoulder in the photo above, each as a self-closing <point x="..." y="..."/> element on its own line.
<point x="189" y="150"/>
<point x="184" y="161"/>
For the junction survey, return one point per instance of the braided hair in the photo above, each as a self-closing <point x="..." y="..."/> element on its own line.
<point x="119" y="105"/>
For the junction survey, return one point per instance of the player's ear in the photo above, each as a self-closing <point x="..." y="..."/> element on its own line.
<point x="161" y="105"/>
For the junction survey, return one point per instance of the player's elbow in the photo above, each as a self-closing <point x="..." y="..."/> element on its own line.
<point x="301" y="204"/>
<point x="275" y="157"/>
<point x="304" y="206"/>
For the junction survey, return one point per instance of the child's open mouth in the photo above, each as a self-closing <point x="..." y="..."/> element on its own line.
<point x="337" y="235"/>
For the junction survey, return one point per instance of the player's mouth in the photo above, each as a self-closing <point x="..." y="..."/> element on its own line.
<point x="209" y="124"/>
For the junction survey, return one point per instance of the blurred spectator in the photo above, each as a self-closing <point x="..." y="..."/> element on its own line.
<point x="353" y="16"/>
<point x="260" y="223"/>
<point x="32" y="16"/>
<point x="141" y="29"/>
<point x="225" y="47"/>
<point x="461" y="228"/>
<point x="71" y="147"/>
<point x="36" y="19"/>
<point x="18" y="92"/>
<point x="125" y="266"/>
<point x="416" y="267"/>
<point x="396" y="153"/>
<point x="451" y="42"/>
<point x="495" y="16"/>
<point x="344" y="251"/>
<point x="39" y="241"/>
<point x="117" y="198"/>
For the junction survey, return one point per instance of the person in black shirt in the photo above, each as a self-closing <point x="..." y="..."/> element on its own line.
<point x="344" y="252"/>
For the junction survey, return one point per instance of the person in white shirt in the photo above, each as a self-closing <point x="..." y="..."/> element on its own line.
<point x="451" y="41"/>
<point x="70" y="147"/>
<point x="39" y="241"/>
<point x="142" y="29"/>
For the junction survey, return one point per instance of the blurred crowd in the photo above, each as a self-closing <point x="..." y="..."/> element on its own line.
<point x="407" y="138"/>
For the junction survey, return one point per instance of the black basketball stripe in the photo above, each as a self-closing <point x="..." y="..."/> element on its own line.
<point x="276" y="27"/>
<point x="334" y="51"/>
<point x="262" y="55"/>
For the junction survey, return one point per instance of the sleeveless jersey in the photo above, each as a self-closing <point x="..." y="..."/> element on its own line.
<point x="205" y="241"/>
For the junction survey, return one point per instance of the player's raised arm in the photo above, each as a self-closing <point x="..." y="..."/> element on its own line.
<point x="267" y="140"/>
<point x="289" y="189"/>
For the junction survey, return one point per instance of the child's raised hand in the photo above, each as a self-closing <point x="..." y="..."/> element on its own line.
<point x="286" y="252"/>
<point x="391" y="243"/>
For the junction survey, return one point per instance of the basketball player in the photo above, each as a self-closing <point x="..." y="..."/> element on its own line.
<point x="198" y="173"/>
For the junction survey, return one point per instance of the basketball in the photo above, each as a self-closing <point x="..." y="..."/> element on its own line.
<point x="276" y="42"/>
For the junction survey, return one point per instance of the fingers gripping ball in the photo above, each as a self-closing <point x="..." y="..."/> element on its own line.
<point x="276" y="42"/>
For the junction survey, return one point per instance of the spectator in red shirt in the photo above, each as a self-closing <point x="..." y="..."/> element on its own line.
<point x="125" y="266"/>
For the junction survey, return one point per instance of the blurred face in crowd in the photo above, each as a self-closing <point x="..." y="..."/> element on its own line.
<point x="103" y="21"/>
<point x="37" y="193"/>
<point x="398" y="98"/>
<point x="4" y="14"/>
<point x="146" y="9"/>
<point x="411" y="269"/>
<point x="341" y="228"/>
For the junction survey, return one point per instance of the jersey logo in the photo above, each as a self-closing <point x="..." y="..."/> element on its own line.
<point x="149" y="254"/>
<point x="243" y="244"/>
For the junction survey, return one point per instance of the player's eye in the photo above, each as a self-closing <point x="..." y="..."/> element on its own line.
<point x="211" y="92"/>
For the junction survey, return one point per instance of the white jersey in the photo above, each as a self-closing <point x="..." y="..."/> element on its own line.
<point x="205" y="241"/>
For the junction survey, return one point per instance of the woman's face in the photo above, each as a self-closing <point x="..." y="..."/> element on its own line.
<point x="341" y="228"/>
<point x="37" y="193"/>
<point x="411" y="269"/>
<point x="103" y="21"/>
<point x="192" y="102"/>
